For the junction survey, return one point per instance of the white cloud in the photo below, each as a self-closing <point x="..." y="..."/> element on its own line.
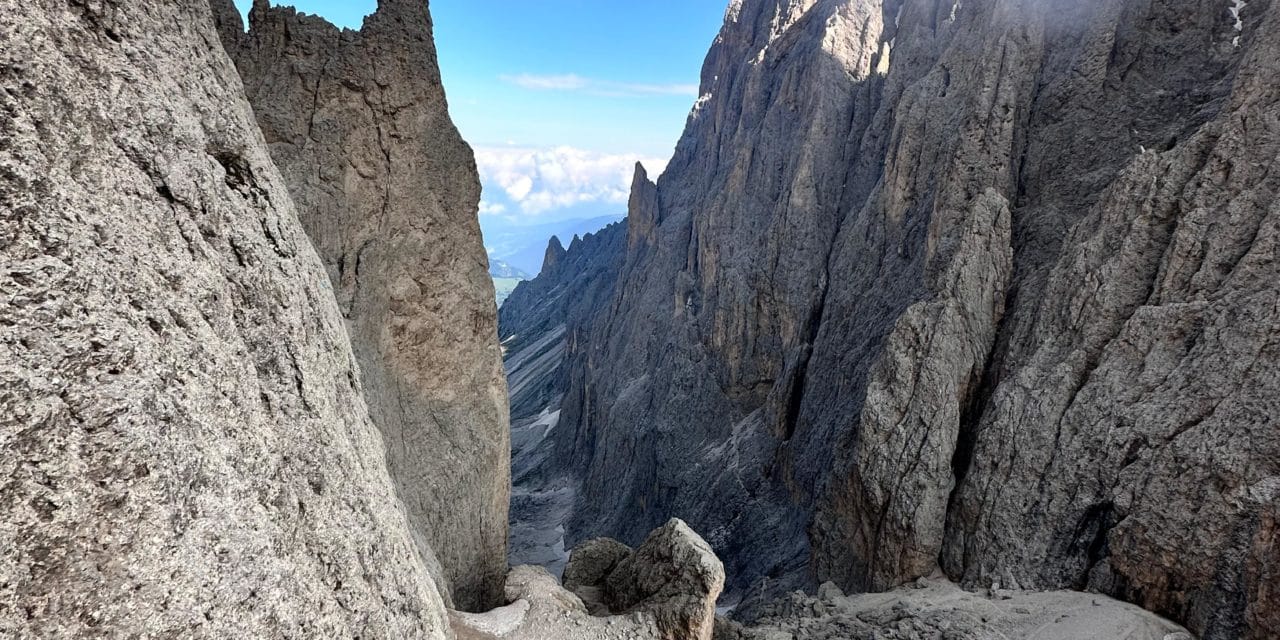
<point x="574" y="82"/>
<point x="566" y="82"/>
<point x="492" y="208"/>
<point x="541" y="180"/>
<point x="655" y="89"/>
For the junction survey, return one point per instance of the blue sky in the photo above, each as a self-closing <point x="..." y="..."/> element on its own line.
<point x="561" y="97"/>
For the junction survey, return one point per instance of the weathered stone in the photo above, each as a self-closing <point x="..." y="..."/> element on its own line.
<point x="591" y="562"/>
<point x="551" y="260"/>
<point x="187" y="452"/>
<point x="673" y="576"/>
<point x="538" y="324"/>
<point x="388" y="192"/>
<point x="542" y="609"/>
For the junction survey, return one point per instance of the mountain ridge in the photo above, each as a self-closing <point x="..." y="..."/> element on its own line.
<point x="851" y="309"/>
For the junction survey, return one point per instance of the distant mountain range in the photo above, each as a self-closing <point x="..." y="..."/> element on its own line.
<point x="503" y="269"/>
<point x="522" y="247"/>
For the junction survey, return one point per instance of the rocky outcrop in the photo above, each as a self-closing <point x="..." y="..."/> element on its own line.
<point x="1142" y="409"/>
<point x="1081" y="452"/>
<point x="679" y="398"/>
<point x="591" y="562"/>
<point x="665" y="590"/>
<point x="985" y="285"/>
<point x="187" y="452"/>
<point x="555" y="252"/>
<point x="674" y="576"/>
<point x="388" y="192"/>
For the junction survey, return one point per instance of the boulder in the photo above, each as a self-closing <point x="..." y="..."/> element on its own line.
<point x="675" y="576"/>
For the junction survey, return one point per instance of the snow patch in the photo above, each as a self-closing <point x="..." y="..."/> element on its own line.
<point x="547" y="420"/>
<point x="886" y="49"/>
<point x="699" y="104"/>
<point x="1236" y="7"/>
<point x="955" y="8"/>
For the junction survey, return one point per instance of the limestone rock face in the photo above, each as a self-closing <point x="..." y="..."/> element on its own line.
<point x="187" y="452"/>
<point x="539" y="323"/>
<point x="563" y="299"/>
<point x="541" y="609"/>
<point x="989" y="285"/>
<point x="677" y="398"/>
<point x="388" y="192"/>
<point x="1137" y="391"/>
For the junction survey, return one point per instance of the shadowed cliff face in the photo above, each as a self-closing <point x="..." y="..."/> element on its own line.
<point x="388" y="192"/>
<point x="677" y="400"/>
<point x="988" y="284"/>
<point x="187" y="451"/>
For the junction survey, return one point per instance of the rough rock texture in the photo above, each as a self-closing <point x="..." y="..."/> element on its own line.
<point x="186" y="451"/>
<point x="934" y="609"/>
<point x="591" y="562"/>
<point x="672" y="409"/>
<point x="541" y="609"/>
<point x="988" y="284"/>
<point x="675" y="576"/>
<point x="1136" y="394"/>
<point x="665" y="590"/>
<point x="388" y="192"/>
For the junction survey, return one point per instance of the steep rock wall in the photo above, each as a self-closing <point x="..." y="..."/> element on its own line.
<point x="388" y="192"/>
<point x="187" y="452"/>
<point x="542" y="320"/>
<point x="676" y="400"/>
<point x="985" y="284"/>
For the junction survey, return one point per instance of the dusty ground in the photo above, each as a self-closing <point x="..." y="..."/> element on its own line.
<point x="936" y="608"/>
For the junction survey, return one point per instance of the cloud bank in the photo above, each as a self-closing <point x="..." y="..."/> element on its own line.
<point x="534" y="181"/>
<point x="574" y="82"/>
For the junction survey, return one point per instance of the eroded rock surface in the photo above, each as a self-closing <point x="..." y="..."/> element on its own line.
<point x="591" y="562"/>
<point x="675" y="576"/>
<point x="186" y="449"/>
<point x="388" y="192"/>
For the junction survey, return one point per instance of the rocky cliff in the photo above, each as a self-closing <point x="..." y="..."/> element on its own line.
<point x="541" y="320"/>
<point x="388" y="191"/>
<point x="187" y="451"/>
<point x="562" y="301"/>
<point x="986" y="286"/>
